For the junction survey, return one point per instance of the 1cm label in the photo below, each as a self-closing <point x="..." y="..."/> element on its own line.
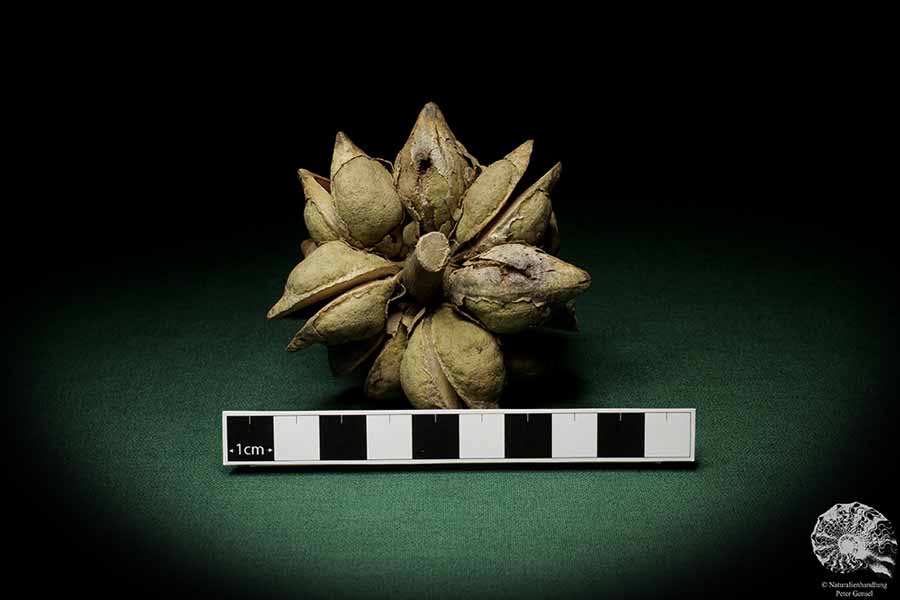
<point x="247" y="450"/>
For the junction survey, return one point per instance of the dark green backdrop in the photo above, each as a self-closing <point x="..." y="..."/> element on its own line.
<point x="726" y="200"/>
<point x="783" y="350"/>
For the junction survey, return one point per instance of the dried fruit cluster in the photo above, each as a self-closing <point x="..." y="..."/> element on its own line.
<point x="425" y="263"/>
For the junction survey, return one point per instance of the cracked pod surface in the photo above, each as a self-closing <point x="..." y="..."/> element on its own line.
<point x="417" y="268"/>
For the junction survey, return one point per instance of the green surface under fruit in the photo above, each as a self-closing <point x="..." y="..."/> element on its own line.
<point x="778" y="352"/>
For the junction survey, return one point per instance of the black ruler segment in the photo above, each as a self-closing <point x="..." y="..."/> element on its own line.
<point x="528" y="436"/>
<point x="457" y="436"/>
<point x="251" y="439"/>
<point x="620" y="435"/>
<point x="435" y="436"/>
<point x="342" y="437"/>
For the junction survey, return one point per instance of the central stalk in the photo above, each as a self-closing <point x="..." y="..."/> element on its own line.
<point x="423" y="273"/>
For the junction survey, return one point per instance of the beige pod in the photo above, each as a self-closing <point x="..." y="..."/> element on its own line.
<point x="383" y="380"/>
<point x="391" y="245"/>
<point x="432" y="171"/>
<point x="364" y="195"/>
<point x="410" y="237"/>
<point x="354" y="315"/>
<point x="307" y="247"/>
<point x="421" y="376"/>
<point x="319" y="213"/>
<point x="333" y="268"/>
<point x="514" y="286"/>
<point x="470" y="358"/>
<point x="525" y="220"/>
<point x="489" y="192"/>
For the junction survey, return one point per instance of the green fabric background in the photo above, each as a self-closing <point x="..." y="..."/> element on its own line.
<point x="778" y="346"/>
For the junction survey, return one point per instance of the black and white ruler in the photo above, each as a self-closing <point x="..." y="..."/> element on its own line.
<point x="381" y="437"/>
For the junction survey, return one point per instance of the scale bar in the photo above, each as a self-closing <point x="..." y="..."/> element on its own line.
<point x="379" y="437"/>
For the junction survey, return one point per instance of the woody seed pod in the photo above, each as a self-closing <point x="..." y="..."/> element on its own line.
<point x="391" y="245"/>
<point x="490" y="191"/>
<point x="333" y="268"/>
<point x="410" y="236"/>
<point x="307" y="247"/>
<point x="364" y="196"/>
<point x="319" y="214"/>
<point x="470" y="358"/>
<point x="421" y="375"/>
<point x="432" y="172"/>
<point x="525" y="220"/>
<point x="354" y="315"/>
<point x="383" y="380"/>
<point x="514" y="286"/>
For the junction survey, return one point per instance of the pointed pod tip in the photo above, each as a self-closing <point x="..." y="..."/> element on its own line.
<point x="343" y="142"/>
<point x="308" y="177"/>
<point x="299" y="343"/>
<point x="585" y="279"/>
<point x="280" y="308"/>
<point x="344" y="151"/>
<point x="431" y="113"/>
<point x="521" y="155"/>
<point x="550" y="178"/>
<point x="430" y="108"/>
